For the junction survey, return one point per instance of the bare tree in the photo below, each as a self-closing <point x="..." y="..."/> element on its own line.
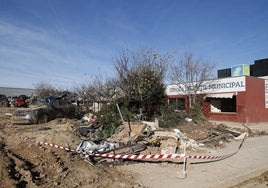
<point x="44" y="89"/>
<point x="141" y="75"/>
<point x="105" y="91"/>
<point x="98" y="90"/>
<point x="191" y="74"/>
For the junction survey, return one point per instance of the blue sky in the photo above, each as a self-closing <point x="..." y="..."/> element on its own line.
<point x="67" y="43"/>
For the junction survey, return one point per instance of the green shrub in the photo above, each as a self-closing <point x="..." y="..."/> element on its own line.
<point x="170" y="118"/>
<point x="196" y="113"/>
<point x="109" y="117"/>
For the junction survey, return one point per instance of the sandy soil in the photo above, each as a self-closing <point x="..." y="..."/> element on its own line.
<point x="24" y="163"/>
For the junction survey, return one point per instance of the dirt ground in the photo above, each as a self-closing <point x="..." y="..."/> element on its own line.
<point x="24" y="163"/>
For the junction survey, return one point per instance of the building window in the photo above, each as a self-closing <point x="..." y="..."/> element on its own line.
<point x="223" y="104"/>
<point x="177" y="103"/>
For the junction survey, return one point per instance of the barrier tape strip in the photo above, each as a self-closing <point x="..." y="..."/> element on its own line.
<point x="141" y="156"/>
<point x="117" y="156"/>
<point x="55" y="146"/>
<point x="145" y="156"/>
<point x="220" y="157"/>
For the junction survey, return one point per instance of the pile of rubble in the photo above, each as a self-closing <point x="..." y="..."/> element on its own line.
<point x="148" y="137"/>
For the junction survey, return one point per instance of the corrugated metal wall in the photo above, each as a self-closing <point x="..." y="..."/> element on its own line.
<point x="17" y="91"/>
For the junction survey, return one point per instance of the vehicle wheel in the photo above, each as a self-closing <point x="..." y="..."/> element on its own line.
<point x="42" y="119"/>
<point x="3" y="104"/>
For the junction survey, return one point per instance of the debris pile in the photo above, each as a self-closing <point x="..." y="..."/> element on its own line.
<point x="219" y="135"/>
<point x="147" y="137"/>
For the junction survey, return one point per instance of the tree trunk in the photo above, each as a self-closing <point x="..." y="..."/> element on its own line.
<point x="190" y="101"/>
<point x="141" y="107"/>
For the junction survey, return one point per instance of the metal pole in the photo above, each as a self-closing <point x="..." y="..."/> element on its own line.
<point x="184" y="173"/>
<point x="120" y="113"/>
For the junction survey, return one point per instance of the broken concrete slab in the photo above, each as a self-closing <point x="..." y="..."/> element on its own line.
<point x="153" y="125"/>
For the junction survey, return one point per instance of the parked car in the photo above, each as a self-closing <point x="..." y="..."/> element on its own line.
<point x="54" y="107"/>
<point x="4" y="101"/>
<point x="20" y="101"/>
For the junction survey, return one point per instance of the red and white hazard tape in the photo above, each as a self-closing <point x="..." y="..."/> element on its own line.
<point x="116" y="156"/>
<point x="137" y="157"/>
<point x="141" y="156"/>
<point x="158" y="156"/>
<point x="55" y="146"/>
<point x="208" y="156"/>
<point x="144" y="156"/>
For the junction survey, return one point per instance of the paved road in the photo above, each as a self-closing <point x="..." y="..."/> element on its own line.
<point x="250" y="161"/>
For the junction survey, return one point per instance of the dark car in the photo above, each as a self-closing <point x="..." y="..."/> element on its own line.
<point x="54" y="107"/>
<point x="4" y="102"/>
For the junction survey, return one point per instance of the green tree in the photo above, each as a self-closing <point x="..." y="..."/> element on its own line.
<point x="141" y="77"/>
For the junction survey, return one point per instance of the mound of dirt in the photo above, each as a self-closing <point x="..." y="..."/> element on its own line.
<point x="24" y="163"/>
